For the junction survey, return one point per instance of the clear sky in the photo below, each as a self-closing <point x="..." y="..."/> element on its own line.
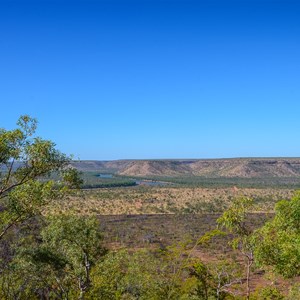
<point x="154" y="79"/>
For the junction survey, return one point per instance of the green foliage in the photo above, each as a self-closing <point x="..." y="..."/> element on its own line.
<point x="58" y="263"/>
<point x="72" y="178"/>
<point x="268" y="293"/>
<point x="278" y="241"/>
<point x="225" y="182"/>
<point x="214" y="279"/>
<point x="142" y="275"/>
<point x="294" y="292"/>
<point x="25" y="162"/>
<point x="30" y="269"/>
<point x="234" y="220"/>
<point x="63" y="257"/>
<point x="208" y="236"/>
<point x="74" y="236"/>
<point x="108" y="275"/>
<point x="78" y="241"/>
<point x="92" y="180"/>
<point x="204" y="279"/>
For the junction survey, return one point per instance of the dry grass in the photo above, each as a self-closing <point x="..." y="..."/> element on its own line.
<point x="163" y="200"/>
<point x="155" y="218"/>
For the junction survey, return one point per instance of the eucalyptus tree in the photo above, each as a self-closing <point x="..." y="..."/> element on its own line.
<point x="234" y="219"/>
<point x="77" y="241"/>
<point x="27" y="166"/>
<point x="25" y="162"/>
<point x="278" y="241"/>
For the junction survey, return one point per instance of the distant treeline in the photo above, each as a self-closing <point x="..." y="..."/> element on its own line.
<point x="224" y="182"/>
<point x="109" y="185"/>
<point x="93" y="180"/>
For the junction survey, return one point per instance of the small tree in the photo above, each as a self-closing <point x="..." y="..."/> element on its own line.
<point x="215" y="279"/>
<point x="77" y="240"/>
<point x="234" y="220"/>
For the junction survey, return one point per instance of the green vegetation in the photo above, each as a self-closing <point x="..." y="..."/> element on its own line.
<point x="234" y="220"/>
<point x="278" y="241"/>
<point x="93" y="180"/>
<point x="225" y="182"/>
<point x="25" y="160"/>
<point x="50" y="254"/>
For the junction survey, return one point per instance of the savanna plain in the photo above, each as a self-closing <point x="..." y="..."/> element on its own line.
<point x="145" y="229"/>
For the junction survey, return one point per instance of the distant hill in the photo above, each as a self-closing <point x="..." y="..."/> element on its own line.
<point x="235" y="167"/>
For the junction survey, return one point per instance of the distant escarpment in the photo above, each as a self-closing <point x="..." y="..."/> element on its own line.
<point x="236" y="167"/>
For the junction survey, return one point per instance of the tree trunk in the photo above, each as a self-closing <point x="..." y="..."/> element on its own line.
<point x="249" y="264"/>
<point x="81" y="287"/>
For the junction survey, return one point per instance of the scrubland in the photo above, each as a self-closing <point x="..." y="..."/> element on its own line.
<point x="164" y="200"/>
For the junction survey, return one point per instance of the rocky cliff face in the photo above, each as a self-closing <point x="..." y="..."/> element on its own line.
<point x="239" y="167"/>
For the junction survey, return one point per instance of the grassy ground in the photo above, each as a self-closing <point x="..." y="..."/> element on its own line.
<point x="160" y="230"/>
<point x="156" y="232"/>
<point x="164" y="200"/>
<point x="158" y="217"/>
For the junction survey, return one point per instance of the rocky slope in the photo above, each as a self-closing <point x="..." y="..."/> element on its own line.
<point x="239" y="167"/>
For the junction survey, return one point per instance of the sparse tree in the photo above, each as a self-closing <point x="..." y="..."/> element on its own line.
<point x="234" y="220"/>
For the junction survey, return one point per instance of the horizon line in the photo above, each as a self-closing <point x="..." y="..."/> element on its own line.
<point x="186" y="159"/>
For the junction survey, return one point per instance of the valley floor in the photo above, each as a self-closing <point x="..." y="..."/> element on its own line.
<point x="164" y="200"/>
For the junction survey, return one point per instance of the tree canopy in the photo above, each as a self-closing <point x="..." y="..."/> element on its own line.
<point x="278" y="241"/>
<point x="25" y="163"/>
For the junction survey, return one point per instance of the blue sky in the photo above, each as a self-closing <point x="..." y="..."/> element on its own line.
<point x="154" y="79"/>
